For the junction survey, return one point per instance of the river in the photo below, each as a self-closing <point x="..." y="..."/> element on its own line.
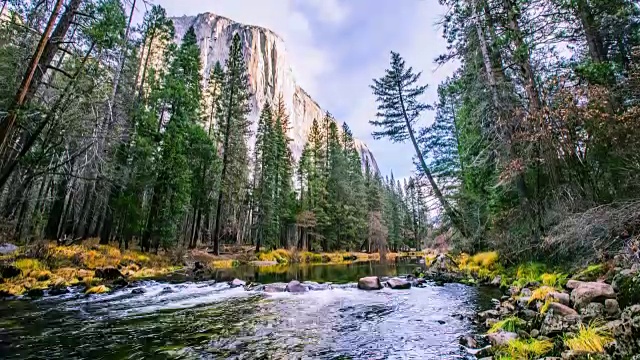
<point x="210" y="320"/>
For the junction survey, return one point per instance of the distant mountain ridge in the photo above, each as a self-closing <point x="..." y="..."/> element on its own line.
<point x="270" y="73"/>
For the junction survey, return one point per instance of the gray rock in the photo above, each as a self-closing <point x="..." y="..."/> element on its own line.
<point x="501" y="337"/>
<point x="319" y="287"/>
<point x="398" y="284"/>
<point x="369" y="283"/>
<point x="562" y="310"/>
<point x="528" y="314"/>
<point x="535" y="333"/>
<point x="573" y="284"/>
<point x="526" y="292"/>
<point x="496" y="281"/>
<point x="563" y="298"/>
<point x="295" y="286"/>
<point x="6" y="249"/>
<point x="489" y="314"/>
<point x="490" y="322"/>
<point x="555" y="324"/>
<point x="237" y="283"/>
<point x="611" y="307"/>
<point x="138" y="291"/>
<point x="468" y="341"/>
<point x="523" y="302"/>
<point x="588" y="292"/>
<point x="592" y="310"/>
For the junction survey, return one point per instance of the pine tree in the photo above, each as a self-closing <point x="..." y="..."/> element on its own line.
<point x="234" y="129"/>
<point x="398" y="110"/>
<point x="265" y="162"/>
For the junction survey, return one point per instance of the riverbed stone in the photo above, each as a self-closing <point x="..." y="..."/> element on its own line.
<point x="468" y="341"/>
<point x="398" y="284"/>
<point x="588" y="292"/>
<point x="554" y="324"/>
<point x="294" y="286"/>
<point x="108" y="273"/>
<point x="138" y="291"/>
<point x="369" y="283"/>
<point x="562" y="298"/>
<point x="237" y="283"/>
<point x="561" y="309"/>
<point x="525" y="292"/>
<point x="496" y="281"/>
<point x="501" y="337"/>
<point x="314" y="286"/>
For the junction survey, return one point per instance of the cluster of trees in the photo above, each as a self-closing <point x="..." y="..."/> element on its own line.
<point x="110" y="130"/>
<point x="538" y="125"/>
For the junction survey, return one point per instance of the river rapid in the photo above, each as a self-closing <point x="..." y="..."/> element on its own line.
<point x="210" y="320"/>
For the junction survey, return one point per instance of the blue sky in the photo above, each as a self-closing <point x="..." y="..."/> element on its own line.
<point x="338" y="46"/>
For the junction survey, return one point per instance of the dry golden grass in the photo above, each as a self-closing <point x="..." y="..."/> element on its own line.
<point x="590" y="339"/>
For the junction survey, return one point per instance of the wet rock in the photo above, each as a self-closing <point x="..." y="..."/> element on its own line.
<point x="369" y="283"/>
<point x="198" y="266"/>
<point x="237" y="283"/>
<point x="468" y="341"/>
<point x="295" y="286"/>
<point x="120" y="282"/>
<point x="514" y="290"/>
<point x="9" y="271"/>
<point x="275" y="288"/>
<point x="35" y="293"/>
<point x="526" y="292"/>
<point x="490" y="322"/>
<point x="528" y="314"/>
<point x="523" y="302"/>
<point x="592" y="310"/>
<point x="108" y="273"/>
<point x="562" y="298"/>
<point x="561" y="309"/>
<point x="501" y="337"/>
<point x="441" y="322"/>
<point x="507" y="307"/>
<point x="398" y="284"/>
<point x="138" y="291"/>
<point x="611" y="307"/>
<point x="166" y="290"/>
<point x="573" y="284"/>
<point x="588" y="292"/>
<point x="523" y="334"/>
<point x="489" y="314"/>
<point x="496" y="303"/>
<point x="318" y="287"/>
<point x="6" y="249"/>
<point x="350" y="257"/>
<point x="496" y="281"/>
<point x="59" y="290"/>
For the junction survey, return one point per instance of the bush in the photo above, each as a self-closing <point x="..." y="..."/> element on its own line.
<point x="590" y="339"/>
<point x="525" y="349"/>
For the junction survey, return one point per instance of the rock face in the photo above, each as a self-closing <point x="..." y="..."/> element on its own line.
<point x="270" y="73"/>
<point x="369" y="283"/>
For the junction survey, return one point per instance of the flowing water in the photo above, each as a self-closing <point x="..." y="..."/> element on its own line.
<point x="210" y="320"/>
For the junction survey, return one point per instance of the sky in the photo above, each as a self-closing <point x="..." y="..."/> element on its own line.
<point x="337" y="47"/>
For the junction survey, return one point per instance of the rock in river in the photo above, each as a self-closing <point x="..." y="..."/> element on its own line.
<point x="398" y="284"/>
<point x="295" y="286"/>
<point x="369" y="283"/>
<point x="236" y="283"/>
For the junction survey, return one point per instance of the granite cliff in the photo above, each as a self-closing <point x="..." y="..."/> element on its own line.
<point x="270" y="73"/>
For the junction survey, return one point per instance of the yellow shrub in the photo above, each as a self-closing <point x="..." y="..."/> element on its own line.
<point x="40" y="275"/>
<point x="12" y="289"/>
<point x="486" y="259"/>
<point x="100" y="289"/>
<point x="541" y="293"/>
<point x="520" y="349"/>
<point x="28" y="265"/>
<point x="589" y="339"/>
<point x="553" y="279"/>
<point x="222" y="264"/>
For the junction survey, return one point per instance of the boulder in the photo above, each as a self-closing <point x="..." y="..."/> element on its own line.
<point x="573" y="284"/>
<point x="369" y="283"/>
<point x="611" y="307"/>
<point x="108" y="273"/>
<point x="592" y="310"/>
<point x="468" y="341"/>
<point x="6" y="249"/>
<point x="237" y="283"/>
<point x="294" y="286"/>
<point x="398" y="284"/>
<point x="9" y="271"/>
<point x="627" y="284"/>
<point x="626" y="331"/>
<point x="58" y="290"/>
<point x="501" y="337"/>
<point x="561" y="309"/>
<point x="314" y="286"/>
<point x="562" y="298"/>
<point x="554" y="324"/>
<point x="535" y="333"/>
<point x="528" y="314"/>
<point x="588" y="292"/>
<point x="138" y="291"/>
<point x="489" y="314"/>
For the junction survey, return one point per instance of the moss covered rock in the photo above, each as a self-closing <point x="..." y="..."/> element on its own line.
<point x="627" y="283"/>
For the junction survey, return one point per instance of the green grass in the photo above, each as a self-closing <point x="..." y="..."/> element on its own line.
<point x="510" y="324"/>
<point x="521" y="349"/>
<point x="590" y="339"/>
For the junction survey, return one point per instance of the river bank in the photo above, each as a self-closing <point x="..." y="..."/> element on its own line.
<point x="48" y="268"/>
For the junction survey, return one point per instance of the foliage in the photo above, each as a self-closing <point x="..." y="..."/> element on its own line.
<point x="525" y="349"/>
<point x="100" y="289"/>
<point x="541" y="293"/>
<point x="510" y="324"/>
<point x="591" y="338"/>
